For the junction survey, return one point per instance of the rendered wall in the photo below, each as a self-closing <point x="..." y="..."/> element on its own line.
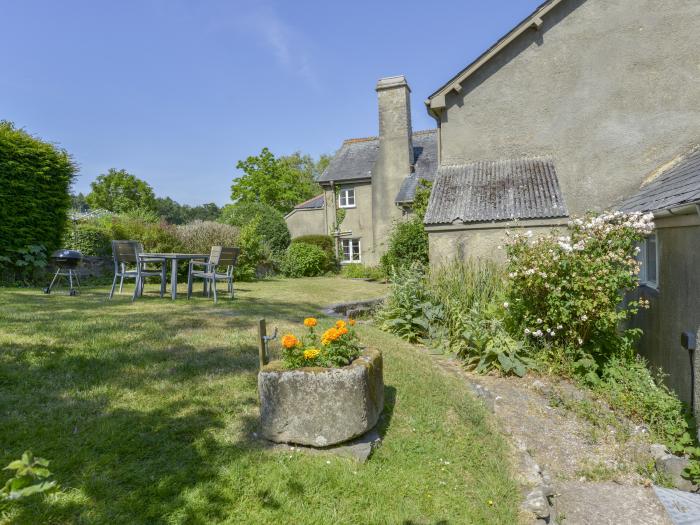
<point x="358" y="220"/>
<point x="609" y="89"/>
<point x="306" y="222"/>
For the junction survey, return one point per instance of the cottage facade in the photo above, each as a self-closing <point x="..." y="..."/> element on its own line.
<point x="370" y="182"/>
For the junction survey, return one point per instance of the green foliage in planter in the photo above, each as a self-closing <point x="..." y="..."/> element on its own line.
<point x="271" y="227"/>
<point x="408" y="243"/>
<point x="35" y="179"/>
<point x="305" y="260"/>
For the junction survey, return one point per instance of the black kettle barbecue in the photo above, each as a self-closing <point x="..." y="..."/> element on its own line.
<point x="67" y="262"/>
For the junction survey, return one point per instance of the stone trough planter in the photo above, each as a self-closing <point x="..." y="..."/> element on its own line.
<point x="321" y="407"/>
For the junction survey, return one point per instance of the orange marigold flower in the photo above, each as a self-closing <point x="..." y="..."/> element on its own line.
<point x="289" y="341"/>
<point x="340" y="324"/>
<point x="332" y="334"/>
<point x="351" y="322"/>
<point x="310" y="322"/>
<point x="311" y="353"/>
<point x="342" y="331"/>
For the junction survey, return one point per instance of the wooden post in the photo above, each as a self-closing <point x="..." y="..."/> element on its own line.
<point x="262" y="332"/>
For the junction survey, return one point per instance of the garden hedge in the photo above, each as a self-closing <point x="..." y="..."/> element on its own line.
<point x="271" y="226"/>
<point x="35" y="180"/>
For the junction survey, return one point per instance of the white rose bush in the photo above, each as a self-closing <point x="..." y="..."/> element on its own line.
<point x="568" y="289"/>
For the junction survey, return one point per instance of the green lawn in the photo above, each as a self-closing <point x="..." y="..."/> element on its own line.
<point x="147" y="411"/>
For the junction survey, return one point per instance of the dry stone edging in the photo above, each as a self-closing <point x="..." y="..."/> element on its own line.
<point x="354" y="308"/>
<point x="672" y="467"/>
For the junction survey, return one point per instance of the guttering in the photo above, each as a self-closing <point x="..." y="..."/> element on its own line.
<point x="684" y="209"/>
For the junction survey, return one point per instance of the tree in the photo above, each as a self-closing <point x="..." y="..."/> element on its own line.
<point x="279" y="182"/>
<point x="175" y="213"/>
<point x="79" y="203"/>
<point x="119" y="191"/>
<point x="270" y="225"/>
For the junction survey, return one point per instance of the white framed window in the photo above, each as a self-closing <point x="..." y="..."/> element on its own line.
<point x="351" y="251"/>
<point x="649" y="257"/>
<point x="346" y="198"/>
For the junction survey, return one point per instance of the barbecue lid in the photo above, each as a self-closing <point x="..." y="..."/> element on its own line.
<point x="66" y="254"/>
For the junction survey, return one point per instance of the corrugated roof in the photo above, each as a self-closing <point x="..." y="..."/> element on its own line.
<point x="356" y="158"/>
<point x="678" y="185"/>
<point x="499" y="190"/>
<point x="313" y="203"/>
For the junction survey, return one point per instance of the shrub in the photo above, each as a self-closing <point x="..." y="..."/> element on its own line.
<point x="271" y="226"/>
<point x="325" y="242"/>
<point x="304" y="260"/>
<point x="89" y="238"/>
<point x="405" y="312"/>
<point x="360" y="271"/>
<point x="408" y="243"/>
<point x="568" y="290"/>
<point x="35" y="179"/>
<point x="255" y="254"/>
<point x="200" y="236"/>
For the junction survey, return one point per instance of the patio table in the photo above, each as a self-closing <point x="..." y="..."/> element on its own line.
<point x="175" y="258"/>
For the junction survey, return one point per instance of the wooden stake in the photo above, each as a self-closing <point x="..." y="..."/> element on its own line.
<point x="262" y="332"/>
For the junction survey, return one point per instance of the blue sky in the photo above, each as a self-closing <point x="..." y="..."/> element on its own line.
<point x="176" y="92"/>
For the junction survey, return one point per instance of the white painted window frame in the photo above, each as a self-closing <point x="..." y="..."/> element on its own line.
<point x="352" y="241"/>
<point x="345" y="193"/>
<point x="644" y="278"/>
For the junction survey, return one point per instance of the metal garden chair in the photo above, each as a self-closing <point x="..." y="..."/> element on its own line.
<point x="127" y="255"/>
<point x="219" y="267"/>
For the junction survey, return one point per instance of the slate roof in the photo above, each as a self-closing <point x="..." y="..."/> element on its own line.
<point x="678" y="185"/>
<point x="356" y="158"/>
<point x="500" y="190"/>
<point x="312" y="204"/>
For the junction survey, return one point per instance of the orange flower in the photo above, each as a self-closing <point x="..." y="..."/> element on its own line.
<point x="289" y="341"/>
<point x="340" y="324"/>
<point x="310" y="322"/>
<point x="342" y="331"/>
<point x="351" y="322"/>
<point x="332" y="334"/>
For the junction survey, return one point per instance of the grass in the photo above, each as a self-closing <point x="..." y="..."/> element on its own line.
<point x="147" y="411"/>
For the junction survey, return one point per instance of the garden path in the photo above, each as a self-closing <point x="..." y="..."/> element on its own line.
<point x="590" y="458"/>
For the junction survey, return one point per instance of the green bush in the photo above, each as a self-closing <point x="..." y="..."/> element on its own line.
<point x="568" y="290"/>
<point x="360" y="271"/>
<point x="408" y="243"/>
<point x="304" y="260"/>
<point x="35" y="179"/>
<point x="255" y="254"/>
<point x="325" y="242"/>
<point x="271" y="226"/>
<point x="89" y="238"/>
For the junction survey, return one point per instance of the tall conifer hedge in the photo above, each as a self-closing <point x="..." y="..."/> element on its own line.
<point x="35" y="179"/>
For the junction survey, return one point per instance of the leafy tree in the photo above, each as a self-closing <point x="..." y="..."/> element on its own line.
<point x="79" y="203"/>
<point x="119" y="191"/>
<point x="279" y="182"/>
<point x="270" y="226"/>
<point x="175" y="213"/>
